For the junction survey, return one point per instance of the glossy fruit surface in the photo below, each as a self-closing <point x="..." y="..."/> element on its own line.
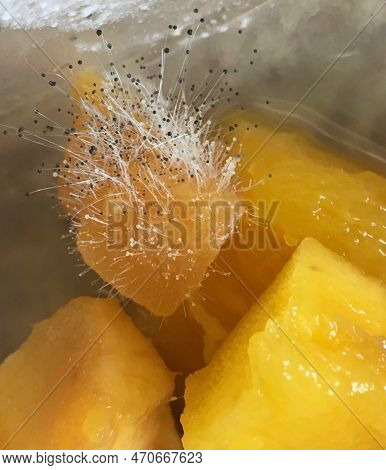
<point x="305" y="368"/>
<point x="86" y="379"/>
<point x="301" y="188"/>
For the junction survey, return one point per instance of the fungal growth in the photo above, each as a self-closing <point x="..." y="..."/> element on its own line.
<point x="148" y="184"/>
<point x="147" y="180"/>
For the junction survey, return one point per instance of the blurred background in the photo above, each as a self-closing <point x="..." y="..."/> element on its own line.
<point x="296" y="41"/>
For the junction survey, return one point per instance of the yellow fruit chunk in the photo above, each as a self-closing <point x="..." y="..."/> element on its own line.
<point x="158" y="268"/>
<point x="86" y="379"/>
<point x="143" y="185"/>
<point x="320" y="193"/>
<point x="305" y="368"/>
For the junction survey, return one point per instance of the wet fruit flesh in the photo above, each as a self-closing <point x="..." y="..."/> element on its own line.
<point x="315" y="338"/>
<point x="320" y="193"/>
<point x="115" y="397"/>
<point x="123" y="163"/>
<point x="160" y="269"/>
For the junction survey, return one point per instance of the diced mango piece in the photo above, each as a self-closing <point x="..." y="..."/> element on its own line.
<point x="160" y="269"/>
<point x="304" y="369"/>
<point x="86" y="379"/>
<point x="133" y="182"/>
<point x="321" y="193"/>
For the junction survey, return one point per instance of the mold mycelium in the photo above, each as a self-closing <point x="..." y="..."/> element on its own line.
<point x="146" y="179"/>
